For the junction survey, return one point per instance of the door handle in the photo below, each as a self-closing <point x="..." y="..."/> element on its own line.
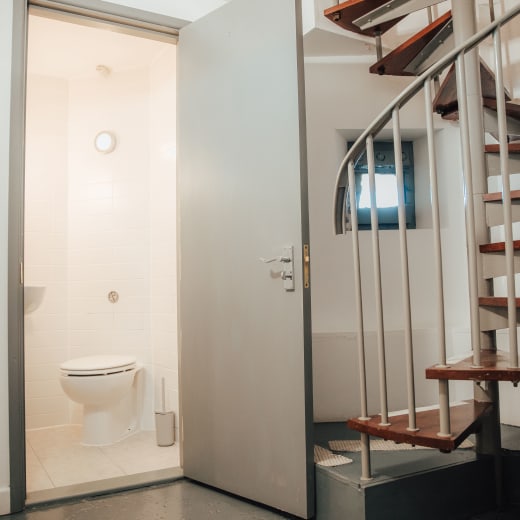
<point x="275" y="259"/>
<point x="286" y="259"/>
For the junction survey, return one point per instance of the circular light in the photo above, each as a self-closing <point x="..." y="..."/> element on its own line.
<point x="105" y="142"/>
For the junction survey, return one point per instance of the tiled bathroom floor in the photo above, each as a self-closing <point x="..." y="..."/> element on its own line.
<point x="56" y="458"/>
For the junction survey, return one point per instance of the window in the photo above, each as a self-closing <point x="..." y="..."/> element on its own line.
<point x="386" y="186"/>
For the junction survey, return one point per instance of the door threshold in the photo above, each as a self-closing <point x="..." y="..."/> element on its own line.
<point x="103" y="487"/>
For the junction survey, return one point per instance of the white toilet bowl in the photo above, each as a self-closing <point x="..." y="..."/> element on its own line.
<point x="105" y="385"/>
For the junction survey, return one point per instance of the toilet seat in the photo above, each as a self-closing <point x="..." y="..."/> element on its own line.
<point x="98" y="365"/>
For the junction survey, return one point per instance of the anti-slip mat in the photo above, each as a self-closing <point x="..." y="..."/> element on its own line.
<point x="382" y="445"/>
<point x="324" y="457"/>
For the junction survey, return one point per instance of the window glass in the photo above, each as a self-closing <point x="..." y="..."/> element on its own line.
<point x="386" y="186"/>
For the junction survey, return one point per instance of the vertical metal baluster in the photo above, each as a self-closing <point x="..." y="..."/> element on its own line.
<point x="429" y="10"/>
<point x="444" y="396"/>
<point x="358" y="290"/>
<point x="405" y="275"/>
<point x="379" y="46"/>
<point x="365" y="457"/>
<point x="470" y="215"/>
<point x="365" y="441"/>
<point x="374" y="222"/>
<point x="506" y="201"/>
<point x="491" y="11"/>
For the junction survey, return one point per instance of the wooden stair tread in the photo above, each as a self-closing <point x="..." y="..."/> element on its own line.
<point x="513" y="147"/>
<point x="496" y="301"/>
<point x="497" y="196"/>
<point x="494" y="367"/>
<point x="345" y="13"/>
<point x="395" y="62"/>
<point x="465" y="419"/>
<point x="498" y="247"/>
<point x="512" y="109"/>
<point x="445" y="102"/>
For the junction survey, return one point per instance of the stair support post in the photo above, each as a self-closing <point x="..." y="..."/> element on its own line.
<point x="374" y="222"/>
<point x="444" y="395"/>
<point x="405" y="275"/>
<point x="379" y="46"/>
<point x="471" y="239"/>
<point x="506" y="202"/>
<point x="366" y="472"/>
<point x="444" y="409"/>
<point x="359" y="294"/>
<point x="429" y="11"/>
<point x="491" y="10"/>
<point x="437" y="240"/>
<point x="469" y="94"/>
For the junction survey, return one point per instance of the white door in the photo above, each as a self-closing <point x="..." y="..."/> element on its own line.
<point x="246" y="391"/>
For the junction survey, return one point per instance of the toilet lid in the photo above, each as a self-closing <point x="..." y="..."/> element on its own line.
<point x="101" y="363"/>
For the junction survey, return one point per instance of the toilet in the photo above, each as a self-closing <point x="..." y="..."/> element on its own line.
<point x="107" y="387"/>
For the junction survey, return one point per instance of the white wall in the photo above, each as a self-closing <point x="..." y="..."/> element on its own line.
<point x="6" y="14"/>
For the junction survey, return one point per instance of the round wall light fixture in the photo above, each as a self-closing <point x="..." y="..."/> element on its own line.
<point x="105" y="142"/>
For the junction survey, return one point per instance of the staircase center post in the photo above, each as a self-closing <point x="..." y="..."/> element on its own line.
<point x="465" y="26"/>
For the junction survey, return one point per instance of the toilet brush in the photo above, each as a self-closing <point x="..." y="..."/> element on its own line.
<point x="163" y="394"/>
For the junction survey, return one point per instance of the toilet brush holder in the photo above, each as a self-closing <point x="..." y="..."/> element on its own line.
<point x="164" y="421"/>
<point x="165" y="428"/>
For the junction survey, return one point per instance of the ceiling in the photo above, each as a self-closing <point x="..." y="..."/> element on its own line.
<point x="67" y="50"/>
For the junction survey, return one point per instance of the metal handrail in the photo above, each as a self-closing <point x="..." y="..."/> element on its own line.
<point x="340" y="192"/>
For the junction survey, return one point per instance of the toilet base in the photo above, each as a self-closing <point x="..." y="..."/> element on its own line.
<point x="104" y="426"/>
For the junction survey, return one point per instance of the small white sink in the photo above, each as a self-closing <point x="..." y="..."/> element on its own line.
<point x="32" y="297"/>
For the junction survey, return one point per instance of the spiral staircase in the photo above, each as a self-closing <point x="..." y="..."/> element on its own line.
<point x="446" y="67"/>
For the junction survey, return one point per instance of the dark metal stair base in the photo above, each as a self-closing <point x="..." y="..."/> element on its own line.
<point x="465" y="420"/>
<point x="495" y="367"/>
<point x="456" y="490"/>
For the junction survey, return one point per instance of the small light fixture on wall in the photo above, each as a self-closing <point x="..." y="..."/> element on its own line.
<point x="105" y="141"/>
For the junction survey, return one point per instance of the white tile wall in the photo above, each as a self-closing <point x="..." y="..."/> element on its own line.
<point x="109" y="222"/>
<point x="163" y="267"/>
<point x="46" y="248"/>
<point x="97" y="223"/>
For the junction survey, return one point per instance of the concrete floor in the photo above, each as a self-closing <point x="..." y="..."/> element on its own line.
<point x="180" y="500"/>
<point x="187" y="500"/>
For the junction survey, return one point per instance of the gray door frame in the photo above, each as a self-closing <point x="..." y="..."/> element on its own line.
<point x="15" y="332"/>
<point x="100" y="12"/>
